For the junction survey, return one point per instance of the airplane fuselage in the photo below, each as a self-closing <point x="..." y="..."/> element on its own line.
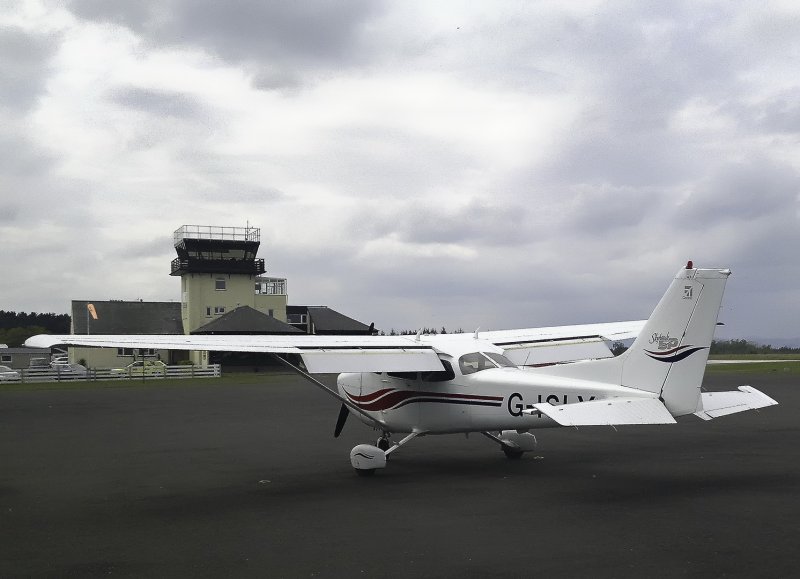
<point x="489" y="400"/>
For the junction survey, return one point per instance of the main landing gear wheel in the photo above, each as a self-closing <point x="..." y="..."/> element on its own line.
<point x="384" y="443"/>
<point x="512" y="453"/>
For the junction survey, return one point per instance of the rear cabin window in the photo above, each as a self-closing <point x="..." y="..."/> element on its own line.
<point x="475" y="362"/>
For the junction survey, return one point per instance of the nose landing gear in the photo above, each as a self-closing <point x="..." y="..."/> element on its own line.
<point x="365" y="458"/>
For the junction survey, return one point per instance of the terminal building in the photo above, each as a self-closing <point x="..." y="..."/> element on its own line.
<point x="224" y="290"/>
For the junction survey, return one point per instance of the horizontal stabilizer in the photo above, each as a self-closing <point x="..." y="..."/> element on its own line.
<point x="613" y="411"/>
<point x="716" y="404"/>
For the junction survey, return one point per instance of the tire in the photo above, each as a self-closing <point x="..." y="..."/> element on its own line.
<point x="512" y="453"/>
<point x="384" y="444"/>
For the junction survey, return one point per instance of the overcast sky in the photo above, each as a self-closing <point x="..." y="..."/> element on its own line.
<point x="494" y="164"/>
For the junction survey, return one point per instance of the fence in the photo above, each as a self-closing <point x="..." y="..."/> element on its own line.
<point x="64" y="375"/>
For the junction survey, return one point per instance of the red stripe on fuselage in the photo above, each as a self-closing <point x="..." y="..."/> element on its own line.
<point x="368" y="397"/>
<point x="377" y="401"/>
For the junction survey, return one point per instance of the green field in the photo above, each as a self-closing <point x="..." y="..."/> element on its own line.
<point x="754" y="366"/>
<point x="754" y="357"/>
<point x="792" y="368"/>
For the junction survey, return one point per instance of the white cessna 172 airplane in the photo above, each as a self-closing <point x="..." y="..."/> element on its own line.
<point x="502" y="384"/>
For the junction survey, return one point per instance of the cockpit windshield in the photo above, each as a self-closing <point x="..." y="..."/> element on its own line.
<point x="500" y="360"/>
<point x="477" y="361"/>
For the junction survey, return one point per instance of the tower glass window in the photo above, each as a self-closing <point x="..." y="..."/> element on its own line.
<point x="219" y="284"/>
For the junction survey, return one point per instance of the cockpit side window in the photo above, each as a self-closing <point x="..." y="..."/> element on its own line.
<point x="439" y="375"/>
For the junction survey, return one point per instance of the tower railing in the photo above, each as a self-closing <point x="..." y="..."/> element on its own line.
<point x="217" y="232"/>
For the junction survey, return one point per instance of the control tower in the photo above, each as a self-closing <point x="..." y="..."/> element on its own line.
<point x="220" y="272"/>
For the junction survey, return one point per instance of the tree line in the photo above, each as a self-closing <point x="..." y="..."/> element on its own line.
<point x="428" y="331"/>
<point x="745" y="347"/>
<point x="16" y="327"/>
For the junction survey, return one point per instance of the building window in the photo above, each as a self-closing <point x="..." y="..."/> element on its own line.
<point x="271" y="313"/>
<point x="271" y="286"/>
<point x="142" y="352"/>
<point x="219" y="310"/>
<point x="208" y="311"/>
<point x="5" y="358"/>
<point x="219" y="284"/>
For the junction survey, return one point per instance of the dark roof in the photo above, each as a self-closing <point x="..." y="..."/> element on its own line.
<point x="25" y="351"/>
<point x="118" y="317"/>
<point x="326" y="320"/>
<point x="246" y="320"/>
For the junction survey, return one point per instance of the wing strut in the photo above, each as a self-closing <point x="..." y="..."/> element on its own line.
<point x="378" y="424"/>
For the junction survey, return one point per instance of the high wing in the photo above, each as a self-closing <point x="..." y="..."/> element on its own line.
<point x="331" y="354"/>
<point x="551" y="345"/>
<point x="320" y="354"/>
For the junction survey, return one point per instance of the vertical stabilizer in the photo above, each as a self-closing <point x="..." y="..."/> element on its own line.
<point x="669" y="357"/>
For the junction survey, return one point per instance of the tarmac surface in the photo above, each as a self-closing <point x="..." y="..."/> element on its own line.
<point x="247" y="481"/>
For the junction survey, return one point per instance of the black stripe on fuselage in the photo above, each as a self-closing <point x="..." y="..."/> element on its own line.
<point x="448" y="401"/>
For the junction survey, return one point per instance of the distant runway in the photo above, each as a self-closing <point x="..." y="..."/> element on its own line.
<point x="247" y="481"/>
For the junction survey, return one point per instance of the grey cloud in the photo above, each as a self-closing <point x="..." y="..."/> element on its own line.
<point x="478" y="222"/>
<point x="781" y="114"/>
<point x="244" y="30"/>
<point x="134" y="15"/>
<point x="9" y="212"/>
<point x="276" y="78"/>
<point x="284" y="37"/>
<point x="381" y="162"/>
<point x="156" y="247"/>
<point x="757" y="189"/>
<point x="20" y="157"/>
<point x="603" y="209"/>
<point x="24" y="62"/>
<point x="156" y="102"/>
<point x="227" y="192"/>
<point x="481" y="222"/>
<point x="644" y="68"/>
<point x="613" y="156"/>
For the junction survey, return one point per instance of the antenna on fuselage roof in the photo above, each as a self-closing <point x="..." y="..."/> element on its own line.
<point x="419" y="333"/>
